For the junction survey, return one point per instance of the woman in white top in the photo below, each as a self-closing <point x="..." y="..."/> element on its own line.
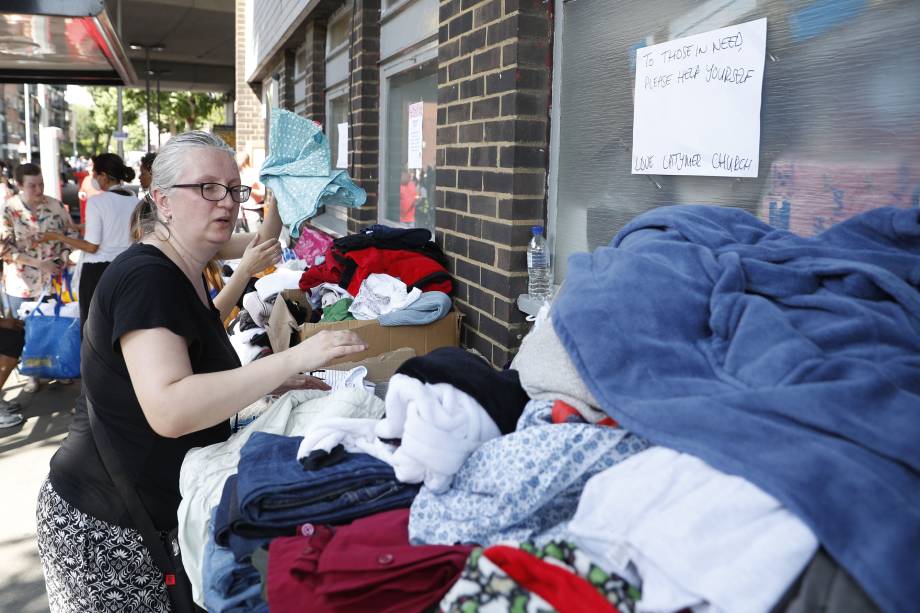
<point x="108" y="224"/>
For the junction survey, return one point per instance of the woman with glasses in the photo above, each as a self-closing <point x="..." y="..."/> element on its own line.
<point x="160" y="377"/>
<point x="256" y="251"/>
<point x="108" y="225"/>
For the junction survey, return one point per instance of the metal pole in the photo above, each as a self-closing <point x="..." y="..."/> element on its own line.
<point x="42" y="92"/>
<point x="147" y="79"/>
<point x="73" y="126"/>
<point x="159" y="129"/>
<point x="28" y="122"/>
<point x="120" y="144"/>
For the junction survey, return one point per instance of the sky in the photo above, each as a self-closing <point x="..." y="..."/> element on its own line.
<point x="79" y="95"/>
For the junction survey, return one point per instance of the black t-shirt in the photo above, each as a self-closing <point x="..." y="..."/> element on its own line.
<point x="141" y="289"/>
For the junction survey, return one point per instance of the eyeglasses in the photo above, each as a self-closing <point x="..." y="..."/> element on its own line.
<point x="215" y="192"/>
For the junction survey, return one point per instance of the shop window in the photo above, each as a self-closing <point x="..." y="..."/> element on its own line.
<point x="334" y="219"/>
<point x="300" y="80"/>
<point x="408" y="128"/>
<point x="338" y="32"/>
<point x="271" y="96"/>
<point x="839" y="117"/>
<point x="408" y="112"/>
<point x="337" y="113"/>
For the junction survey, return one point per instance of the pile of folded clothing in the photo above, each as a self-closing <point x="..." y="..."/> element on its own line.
<point x="712" y="416"/>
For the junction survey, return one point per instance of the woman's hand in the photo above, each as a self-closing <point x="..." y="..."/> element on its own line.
<point x="47" y="237"/>
<point x="299" y="382"/>
<point x="325" y="346"/>
<point x="258" y="257"/>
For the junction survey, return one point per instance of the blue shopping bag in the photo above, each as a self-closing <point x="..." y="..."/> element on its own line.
<point x="52" y="347"/>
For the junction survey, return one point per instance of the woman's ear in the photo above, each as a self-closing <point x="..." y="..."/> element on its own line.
<point x="162" y="203"/>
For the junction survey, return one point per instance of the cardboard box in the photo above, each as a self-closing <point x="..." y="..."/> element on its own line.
<point x="380" y="367"/>
<point x="443" y="333"/>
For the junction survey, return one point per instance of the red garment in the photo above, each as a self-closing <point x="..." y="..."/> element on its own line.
<point x="86" y="188"/>
<point x="407" y="266"/>
<point x="407" y="196"/>
<point x="564" y="413"/>
<point x="330" y="271"/>
<point x="566" y="591"/>
<point x="368" y="565"/>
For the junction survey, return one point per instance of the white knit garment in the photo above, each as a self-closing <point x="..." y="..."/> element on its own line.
<point x="440" y="427"/>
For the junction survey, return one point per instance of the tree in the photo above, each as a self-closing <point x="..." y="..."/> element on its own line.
<point x="180" y="111"/>
<point x="105" y="116"/>
<point x="196" y="110"/>
<point x="87" y="132"/>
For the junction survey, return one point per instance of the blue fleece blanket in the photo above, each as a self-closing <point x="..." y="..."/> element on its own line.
<point x="299" y="172"/>
<point x="793" y="362"/>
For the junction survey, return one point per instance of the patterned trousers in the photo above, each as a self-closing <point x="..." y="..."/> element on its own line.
<point x="92" y="566"/>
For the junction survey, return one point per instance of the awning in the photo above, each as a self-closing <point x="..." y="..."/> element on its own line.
<point x="61" y="41"/>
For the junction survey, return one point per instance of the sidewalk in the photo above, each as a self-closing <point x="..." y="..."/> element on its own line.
<point x="24" y="454"/>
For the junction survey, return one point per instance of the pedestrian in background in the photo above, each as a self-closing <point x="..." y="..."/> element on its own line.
<point x="30" y="265"/>
<point x="86" y="190"/>
<point x="251" y="213"/>
<point x="12" y="339"/>
<point x="108" y="225"/>
<point x="6" y="188"/>
<point x="146" y="171"/>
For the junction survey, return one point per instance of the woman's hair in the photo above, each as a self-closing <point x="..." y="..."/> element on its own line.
<point x="213" y="276"/>
<point x="26" y="170"/>
<point x="144" y="215"/>
<point x="171" y="161"/>
<point x="147" y="161"/>
<point x="112" y="165"/>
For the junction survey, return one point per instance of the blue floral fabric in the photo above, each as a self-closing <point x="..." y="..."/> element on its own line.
<point x="521" y="486"/>
<point x="298" y="170"/>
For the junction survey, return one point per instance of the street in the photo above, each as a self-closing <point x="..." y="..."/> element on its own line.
<point x="24" y="454"/>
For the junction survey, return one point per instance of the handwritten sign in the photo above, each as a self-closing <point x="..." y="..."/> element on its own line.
<point x="416" y="114"/>
<point x="697" y="103"/>
<point x="341" y="158"/>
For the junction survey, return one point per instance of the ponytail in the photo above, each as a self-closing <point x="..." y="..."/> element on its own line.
<point x="144" y="219"/>
<point x="212" y="275"/>
<point x="114" y="166"/>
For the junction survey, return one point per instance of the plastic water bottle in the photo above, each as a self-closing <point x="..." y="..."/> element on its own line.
<point x="539" y="267"/>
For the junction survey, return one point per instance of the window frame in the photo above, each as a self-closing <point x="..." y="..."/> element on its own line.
<point x="555" y="117"/>
<point x="299" y="80"/>
<point x="343" y="13"/>
<point x="334" y="93"/>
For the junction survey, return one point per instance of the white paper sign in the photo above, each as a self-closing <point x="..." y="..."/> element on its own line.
<point x="416" y="113"/>
<point x="697" y="103"/>
<point x="341" y="158"/>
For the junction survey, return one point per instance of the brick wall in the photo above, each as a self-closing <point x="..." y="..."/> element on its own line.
<point x="315" y="74"/>
<point x="286" y="80"/>
<point x="250" y="127"/>
<point x="364" y="123"/>
<point x="494" y="61"/>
